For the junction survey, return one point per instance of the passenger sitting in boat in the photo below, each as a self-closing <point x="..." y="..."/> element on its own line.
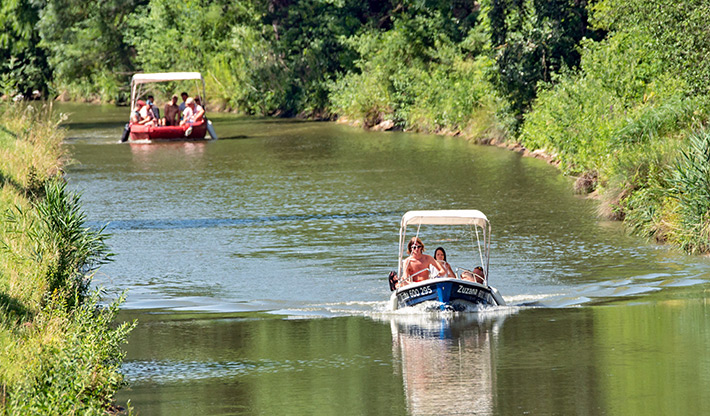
<point x="145" y="117"/>
<point x="199" y="110"/>
<point x="183" y="104"/>
<point x="478" y="272"/>
<point x="136" y="114"/>
<point x="475" y="276"/>
<point x="440" y="256"/>
<point x="153" y="108"/>
<point x="172" y="112"/>
<point x="419" y="266"/>
<point x="188" y="114"/>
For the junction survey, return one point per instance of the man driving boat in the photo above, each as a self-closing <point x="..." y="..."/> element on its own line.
<point x="418" y="266"/>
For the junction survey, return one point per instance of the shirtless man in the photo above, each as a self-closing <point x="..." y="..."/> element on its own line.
<point x="172" y="112"/>
<point x="417" y="265"/>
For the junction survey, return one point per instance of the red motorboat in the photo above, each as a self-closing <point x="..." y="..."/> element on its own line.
<point x="142" y="132"/>
<point x="139" y="132"/>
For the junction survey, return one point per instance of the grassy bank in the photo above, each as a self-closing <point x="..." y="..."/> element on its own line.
<point x="59" y="348"/>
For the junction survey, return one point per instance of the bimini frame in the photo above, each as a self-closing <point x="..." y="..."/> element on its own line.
<point x="139" y="79"/>
<point x="470" y="217"/>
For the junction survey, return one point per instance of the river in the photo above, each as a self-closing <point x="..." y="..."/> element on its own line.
<point x="256" y="268"/>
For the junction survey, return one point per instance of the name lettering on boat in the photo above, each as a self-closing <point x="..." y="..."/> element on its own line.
<point x="468" y="291"/>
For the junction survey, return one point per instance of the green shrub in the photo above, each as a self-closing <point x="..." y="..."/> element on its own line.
<point x="67" y="361"/>
<point x="440" y="87"/>
<point x="689" y="185"/>
<point x="621" y="99"/>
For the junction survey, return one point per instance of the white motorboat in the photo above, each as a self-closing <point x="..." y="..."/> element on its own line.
<point x="468" y="288"/>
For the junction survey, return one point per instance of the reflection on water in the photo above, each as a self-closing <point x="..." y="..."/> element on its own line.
<point x="448" y="364"/>
<point x="247" y="364"/>
<point x="144" y="152"/>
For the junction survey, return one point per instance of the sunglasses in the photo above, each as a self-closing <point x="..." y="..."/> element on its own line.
<point x="414" y="247"/>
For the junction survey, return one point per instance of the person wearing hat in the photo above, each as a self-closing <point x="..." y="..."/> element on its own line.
<point x="188" y="116"/>
<point x="144" y="116"/>
<point x="171" y="112"/>
<point x="136" y="113"/>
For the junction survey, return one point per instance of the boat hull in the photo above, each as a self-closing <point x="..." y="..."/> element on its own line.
<point x="142" y="133"/>
<point x="448" y="292"/>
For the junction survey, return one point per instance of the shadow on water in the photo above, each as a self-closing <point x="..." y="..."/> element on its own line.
<point x="241" y="136"/>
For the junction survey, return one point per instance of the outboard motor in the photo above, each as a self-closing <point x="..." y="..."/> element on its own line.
<point x="126" y="132"/>
<point x="210" y="129"/>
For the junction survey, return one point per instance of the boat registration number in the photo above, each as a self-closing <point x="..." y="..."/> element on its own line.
<point x="415" y="293"/>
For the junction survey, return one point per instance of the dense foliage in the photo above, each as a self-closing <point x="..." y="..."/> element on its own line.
<point x="633" y="115"/>
<point x="612" y="89"/>
<point x="59" y="348"/>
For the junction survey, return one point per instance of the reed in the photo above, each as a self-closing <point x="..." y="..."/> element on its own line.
<point x="58" y="251"/>
<point x="30" y="145"/>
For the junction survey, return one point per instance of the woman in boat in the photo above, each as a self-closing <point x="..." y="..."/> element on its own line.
<point x="440" y="256"/>
<point x="199" y="110"/>
<point x="419" y="266"/>
<point x="142" y="114"/>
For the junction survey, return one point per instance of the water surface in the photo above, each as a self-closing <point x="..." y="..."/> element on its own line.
<point x="256" y="266"/>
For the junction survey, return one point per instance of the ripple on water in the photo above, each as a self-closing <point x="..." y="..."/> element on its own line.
<point x="173" y="371"/>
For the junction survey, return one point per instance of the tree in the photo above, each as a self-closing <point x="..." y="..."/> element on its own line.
<point x="23" y="66"/>
<point x="535" y="39"/>
<point x="85" y="42"/>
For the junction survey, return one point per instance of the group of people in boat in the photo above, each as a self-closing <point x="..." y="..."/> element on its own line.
<point x="189" y="112"/>
<point x="419" y="266"/>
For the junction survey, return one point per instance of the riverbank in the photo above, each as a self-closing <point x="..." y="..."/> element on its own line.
<point x="655" y="181"/>
<point x="60" y="346"/>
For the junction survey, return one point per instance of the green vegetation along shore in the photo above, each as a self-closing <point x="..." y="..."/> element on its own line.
<point x="59" y="345"/>
<point x="615" y="91"/>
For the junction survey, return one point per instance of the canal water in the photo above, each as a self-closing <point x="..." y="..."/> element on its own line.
<point x="256" y="268"/>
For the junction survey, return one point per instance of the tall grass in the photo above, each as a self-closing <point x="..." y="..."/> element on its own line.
<point x="689" y="188"/>
<point x="59" y="349"/>
<point x="30" y="145"/>
<point x="59" y="250"/>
